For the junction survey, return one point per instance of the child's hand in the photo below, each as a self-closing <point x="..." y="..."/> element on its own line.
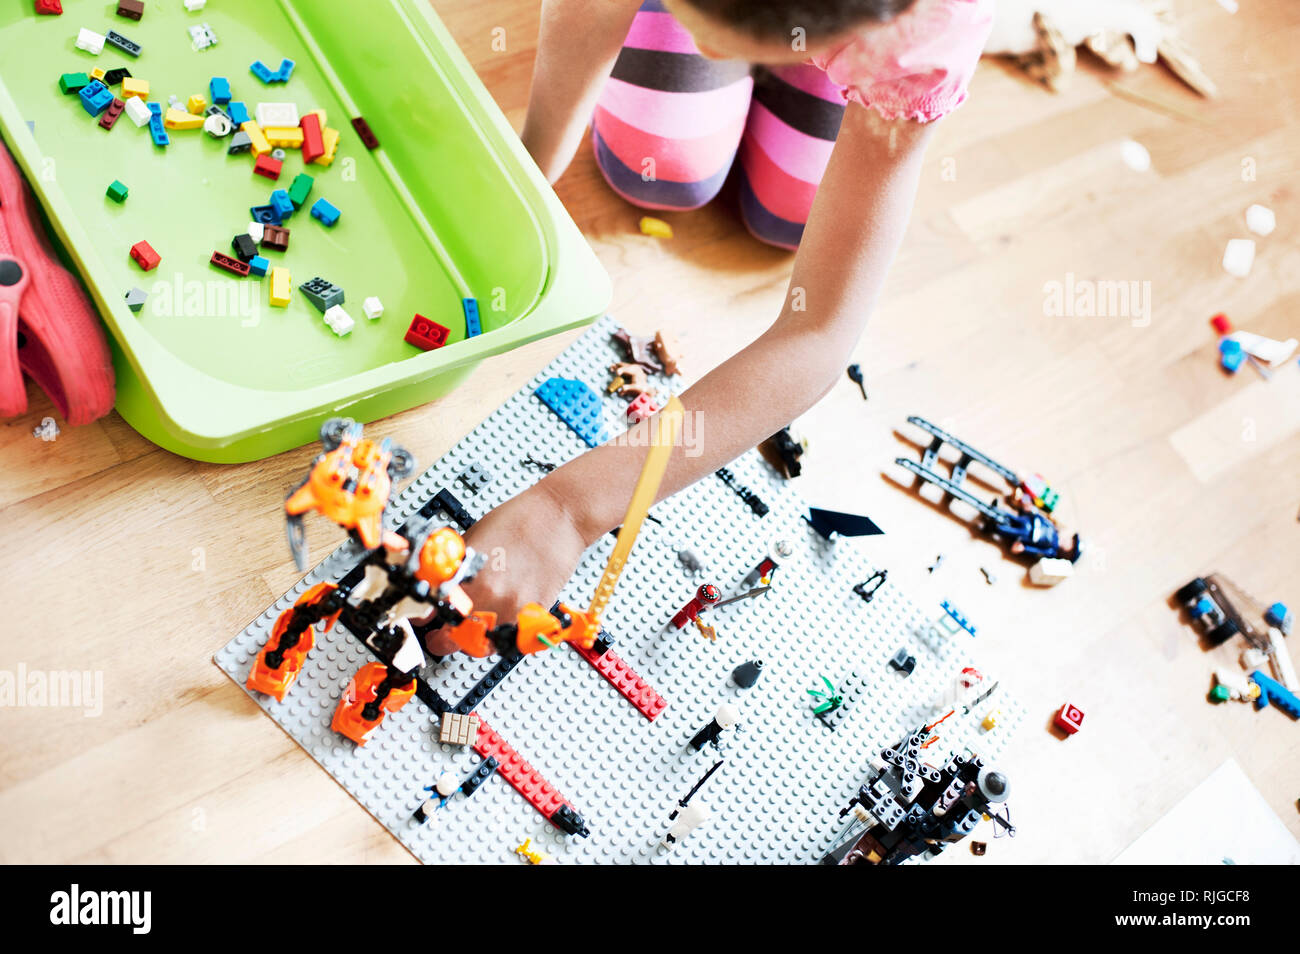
<point x="532" y="547"/>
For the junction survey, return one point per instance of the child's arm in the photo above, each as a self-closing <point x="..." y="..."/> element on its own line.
<point x="577" y="45"/>
<point x="853" y="232"/>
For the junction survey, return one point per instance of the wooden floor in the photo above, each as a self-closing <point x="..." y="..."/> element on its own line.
<point x="130" y="561"/>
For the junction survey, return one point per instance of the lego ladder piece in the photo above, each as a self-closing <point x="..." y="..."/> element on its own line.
<point x="625" y="679"/>
<point x="527" y="781"/>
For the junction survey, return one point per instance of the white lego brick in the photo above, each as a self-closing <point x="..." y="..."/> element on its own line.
<point x="340" y="321"/>
<point x="777" y="800"/>
<point x="202" y="36"/>
<point x="1261" y="220"/>
<point x="276" y="114"/>
<point x="1239" y="257"/>
<point x="90" y="41"/>
<point x="1049" y="572"/>
<point x="194" y="6"/>
<point x="256" y="230"/>
<point x="137" y="111"/>
<point x="373" y="307"/>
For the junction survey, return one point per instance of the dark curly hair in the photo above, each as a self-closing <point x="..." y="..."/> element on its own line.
<point x="765" y="18"/>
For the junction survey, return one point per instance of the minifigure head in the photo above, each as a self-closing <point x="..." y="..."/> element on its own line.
<point x="777" y="31"/>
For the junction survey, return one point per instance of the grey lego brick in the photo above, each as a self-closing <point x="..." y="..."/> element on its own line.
<point x="778" y="797"/>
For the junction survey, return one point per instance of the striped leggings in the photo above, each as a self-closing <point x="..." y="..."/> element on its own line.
<point x="670" y="123"/>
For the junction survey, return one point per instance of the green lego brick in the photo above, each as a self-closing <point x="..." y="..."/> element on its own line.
<point x="117" y="192"/>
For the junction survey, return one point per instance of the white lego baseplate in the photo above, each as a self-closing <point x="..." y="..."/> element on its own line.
<point x="777" y="798"/>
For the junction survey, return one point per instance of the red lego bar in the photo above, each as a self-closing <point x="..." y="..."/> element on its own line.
<point x="313" y="144"/>
<point x="515" y="769"/>
<point x="624" y="678"/>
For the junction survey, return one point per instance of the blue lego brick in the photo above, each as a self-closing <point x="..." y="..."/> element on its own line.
<point x="95" y="98"/>
<point x="156" y="128"/>
<point x="1278" y="615"/>
<point x="264" y="72"/>
<point x="281" y="203"/>
<point x="1231" y="355"/>
<point x="258" y="265"/>
<point x="958" y="617"/>
<point x="327" y="214"/>
<point x="1270" y="690"/>
<point x="473" y="327"/>
<point x="285" y="71"/>
<point x="219" y="87"/>
<point x="266" y="214"/>
<point x="238" y="113"/>
<point x="577" y="405"/>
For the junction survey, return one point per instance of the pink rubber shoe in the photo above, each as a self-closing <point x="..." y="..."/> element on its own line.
<point x="48" y="326"/>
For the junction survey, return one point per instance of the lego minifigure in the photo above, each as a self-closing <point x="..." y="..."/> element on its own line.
<point x="705" y="596"/>
<point x="725" y="718"/>
<point x="440" y="793"/>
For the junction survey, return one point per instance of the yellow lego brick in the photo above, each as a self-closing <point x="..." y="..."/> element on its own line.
<point x="284" y="137"/>
<point x="135" y="87"/>
<point x="260" y="145"/>
<point x="179" y="119"/>
<point x="656" y="228"/>
<point x="281" y="287"/>
<point x="98" y="73"/>
<point x="330" y="140"/>
<point x="198" y="102"/>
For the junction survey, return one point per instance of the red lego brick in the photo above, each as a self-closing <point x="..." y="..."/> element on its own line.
<point x="52" y="7"/>
<point x="625" y="679"/>
<point x="232" y="265"/>
<point x="145" y="256"/>
<point x="1221" y="324"/>
<point x="267" y="165"/>
<point x="1069" y="719"/>
<point x="313" y="146"/>
<point x="515" y="769"/>
<point x="363" y="130"/>
<point x="642" y="406"/>
<point x="426" y="334"/>
<point x="109" y="119"/>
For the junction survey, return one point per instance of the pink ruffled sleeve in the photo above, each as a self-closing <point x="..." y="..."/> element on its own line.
<point x="917" y="66"/>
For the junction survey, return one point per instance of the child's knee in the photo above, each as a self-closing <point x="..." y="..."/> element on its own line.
<point x="643" y="188"/>
<point x="765" y="225"/>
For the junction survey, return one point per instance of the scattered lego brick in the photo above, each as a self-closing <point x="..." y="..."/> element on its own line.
<point x="90" y="41"/>
<point x="363" y="130"/>
<point x="129" y="47"/>
<point x="426" y="334"/>
<point x="300" y="189"/>
<point x="47" y="430"/>
<point x="275" y="237"/>
<point x="276" y="114"/>
<point x="239" y="143"/>
<point x="339" y="321"/>
<point x="95" y="98"/>
<point x="73" y="83"/>
<point x="258" y="265"/>
<point x="217" y="124"/>
<point x="473" y="326"/>
<point x="655" y="228"/>
<point x="268" y="75"/>
<point x="458" y="729"/>
<point x="238" y="113"/>
<point x="1049" y="571"/>
<point x="232" y="265"/>
<point x="244" y="247"/>
<point x="476" y="477"/>
<point x="98" y="73"/>
<point x="138" y="111"/>
<point x="116" y="75"/>
<point x="625" y="679"/>
<point x="313" y="145"/>
<point x="578" y="406"/>
<point x="282" y="204"/>
<point x="265" y="214"/>
<point x="284" y="137"/>
<point x="109" y="119"/>
<point x="136" y="298"/>
<point x="1069" y="719"/>
<point x="144" y="255"/>
<point x="219" y="89"/>
<point x="268" y="166"/>
<point x="134" y="87"/>
<point x="373" y="307"/>
<point x="117" y="191"/>
<point x="281" y="287"/>
<point x="194" y="6"/>
<point x="197" y="104"/>
<point x="202" y="37"/>
<point x="49" y="7"/>
<point x="258" y="140"/>
<point x="322" y="293"/>
<point x="330" y="141"/>
<point x="325" y="213"/>
<point x="131" y="9"/>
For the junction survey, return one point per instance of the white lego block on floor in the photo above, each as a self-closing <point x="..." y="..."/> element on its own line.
<point x="1261" y="220"/>
<point x="1239" y="257"/>
<point x="137" y="111"/>
<point x="90" y="41"/>
<point x="256" y="231"/>
<point x="340" y="321"/>
<point x="1049" y="572"/>
<point x="373" y="307"/>
<point x="276" y="114"/>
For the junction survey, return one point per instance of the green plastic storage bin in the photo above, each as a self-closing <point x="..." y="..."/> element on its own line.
<point x="449" y="206"/>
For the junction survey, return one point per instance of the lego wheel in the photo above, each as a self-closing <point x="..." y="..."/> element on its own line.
<point x="402" y="464"/>
<point x="331" y="432"/>
<point x="1191" y="591"/>
<point x="1222" y="633"/>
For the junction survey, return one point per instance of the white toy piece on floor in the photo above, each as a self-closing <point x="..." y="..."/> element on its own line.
<point x="340" y="321"/>
<point x="1239" y="257"/>
<point x="90" y="41"/>
<point x="373" y="307"/>
<point x="688" y="819"/>
<point x="1261" y="220"/>
<point x="1049" y="571"/>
